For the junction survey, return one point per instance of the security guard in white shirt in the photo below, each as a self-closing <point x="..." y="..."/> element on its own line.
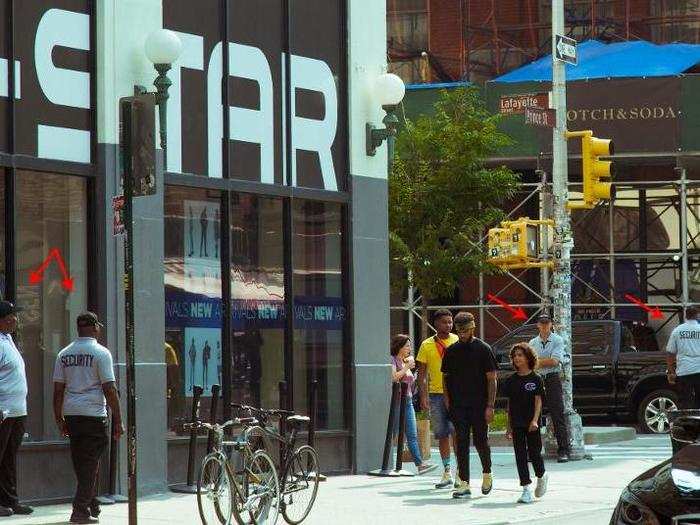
<point x="683" y="359"/>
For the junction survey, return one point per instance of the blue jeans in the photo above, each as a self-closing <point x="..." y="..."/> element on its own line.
<point x="411" y="432"/>
<point x="439" y="417"/>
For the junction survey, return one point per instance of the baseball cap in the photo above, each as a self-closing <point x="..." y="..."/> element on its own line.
<point x="88" y="319"/>
<point x="544" y="318"/>
<point x="7" y="308"/>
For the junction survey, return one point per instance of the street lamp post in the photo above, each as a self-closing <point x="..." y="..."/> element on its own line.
<point x="163" y="47"/>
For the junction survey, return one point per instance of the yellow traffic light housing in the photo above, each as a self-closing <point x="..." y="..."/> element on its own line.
<point x="516" y="244"/>
<point x="594" y="169"/>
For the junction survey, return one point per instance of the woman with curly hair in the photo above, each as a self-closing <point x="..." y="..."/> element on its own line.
<point x="524" y="390"/>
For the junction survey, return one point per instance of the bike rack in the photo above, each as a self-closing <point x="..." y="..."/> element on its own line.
<point x="190" y="486"/>
<point x="384" y="471"/>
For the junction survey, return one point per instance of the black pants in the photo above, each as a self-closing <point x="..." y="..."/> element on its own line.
<point x="11" y="434"/>
<point x="469" y="420"/>
<point x="554" y="400"/>
<point x="528" y="444"/>
<point x="88" y="440"/>
<point x="688" y="388"/>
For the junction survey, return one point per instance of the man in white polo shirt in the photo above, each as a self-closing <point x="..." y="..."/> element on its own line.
<point x="83" y="387"/>
<point x="13" y="403"/>
<point x="683" y="359"/>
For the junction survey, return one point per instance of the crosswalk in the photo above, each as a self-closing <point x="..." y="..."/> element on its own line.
<point x="653" y="449"/>
<point x="637" y="450"/>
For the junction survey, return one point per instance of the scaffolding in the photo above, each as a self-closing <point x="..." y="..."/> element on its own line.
<point x="645" y="240"/>
<point x="495" y="38"/>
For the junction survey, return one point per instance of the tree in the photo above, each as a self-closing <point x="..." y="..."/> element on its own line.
<point x="442" y="197"/>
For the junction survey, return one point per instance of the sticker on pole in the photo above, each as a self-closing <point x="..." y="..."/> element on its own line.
<point x="565" y="49"/>
<point x="118" y="228"/>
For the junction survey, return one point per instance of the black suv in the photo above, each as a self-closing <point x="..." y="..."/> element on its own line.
<point x="611" y="375"/>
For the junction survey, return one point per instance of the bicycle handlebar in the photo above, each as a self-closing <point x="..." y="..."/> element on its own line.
<point x="278" y="412"/>
<point x="216" y="427"/>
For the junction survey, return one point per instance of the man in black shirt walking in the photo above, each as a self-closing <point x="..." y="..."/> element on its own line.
<point x="469" y="377"/>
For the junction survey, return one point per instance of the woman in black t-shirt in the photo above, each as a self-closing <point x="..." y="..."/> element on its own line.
<point x="525" y="390"/>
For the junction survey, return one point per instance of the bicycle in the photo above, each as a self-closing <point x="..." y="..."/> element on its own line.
<point x="297" y="468"/>
<point x="250" y="495"/>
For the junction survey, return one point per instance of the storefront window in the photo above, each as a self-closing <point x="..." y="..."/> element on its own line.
<point x="319" y="310"/>
<point x="193" y="353"/>
<point x="51" y="226"/>
<point x="257" y="297"/>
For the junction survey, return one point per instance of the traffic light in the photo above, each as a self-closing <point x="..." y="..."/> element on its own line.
<point x="516" y="244"/>
<point x="594" y="169"/>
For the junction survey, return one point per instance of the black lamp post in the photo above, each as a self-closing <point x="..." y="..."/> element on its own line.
<point x="163" y="47"/>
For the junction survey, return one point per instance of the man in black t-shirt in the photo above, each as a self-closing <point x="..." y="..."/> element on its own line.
<point x="469" y="377"/>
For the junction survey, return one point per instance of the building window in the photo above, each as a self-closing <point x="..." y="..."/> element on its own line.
<point x="257" y="299"/>
<point x="193" y="353"/>
<point x="319" y="310"/>
<point x="51" y="213"/>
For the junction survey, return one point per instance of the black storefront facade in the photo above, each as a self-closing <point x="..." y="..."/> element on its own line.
<point x="244" y="260"/>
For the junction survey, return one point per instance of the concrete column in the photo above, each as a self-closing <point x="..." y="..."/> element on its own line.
<point x="369" y="237"/>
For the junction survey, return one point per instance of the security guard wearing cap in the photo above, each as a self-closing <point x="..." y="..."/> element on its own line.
<point x="550" y="355"/>
<point x="83" y="387"/>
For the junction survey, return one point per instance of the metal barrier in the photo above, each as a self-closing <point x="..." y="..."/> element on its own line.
<point x="190" y="487"/>
<point x="215" y="389"/>
<point x="384" y="471"/>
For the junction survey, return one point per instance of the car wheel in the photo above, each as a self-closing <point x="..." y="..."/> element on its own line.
<point x="652" y="413"/>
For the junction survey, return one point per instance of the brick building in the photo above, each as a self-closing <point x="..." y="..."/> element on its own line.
<point x="475" y="40"/>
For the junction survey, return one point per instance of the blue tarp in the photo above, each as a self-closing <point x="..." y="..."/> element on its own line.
<point x="443" y="85"/>
<point x="633" y="59"/>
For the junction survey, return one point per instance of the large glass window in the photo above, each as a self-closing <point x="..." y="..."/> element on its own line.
<point x="319" y="309"/>
<point x="193" y="353"/>
<point x="51" y="226"/>
<point x="257" y="299"/>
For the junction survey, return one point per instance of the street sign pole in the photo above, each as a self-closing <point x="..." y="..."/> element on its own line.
<point x="563" y="236"/>
<point x="126" y="144"/>
<point x="137" y="141"/>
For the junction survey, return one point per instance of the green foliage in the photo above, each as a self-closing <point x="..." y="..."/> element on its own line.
<point x="442" y="198"/>
<point x="500" y="421"/>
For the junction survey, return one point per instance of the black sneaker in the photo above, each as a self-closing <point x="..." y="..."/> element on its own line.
<point x="5" y="511"/>
<point x="95" y="509"/>
<point x="22" y="509"/>
<point x="562" y="457"/>
<point x="80" y="517"/>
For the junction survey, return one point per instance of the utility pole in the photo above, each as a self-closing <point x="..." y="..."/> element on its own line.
<point x="563" y="236"/>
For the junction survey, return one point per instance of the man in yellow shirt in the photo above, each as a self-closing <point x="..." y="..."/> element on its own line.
<point x="429" y="361"/>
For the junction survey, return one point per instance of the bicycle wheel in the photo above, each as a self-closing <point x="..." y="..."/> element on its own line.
<point x="257" y="498"/>
<point x="300" y="485"/>
<point x="214" y="491"/>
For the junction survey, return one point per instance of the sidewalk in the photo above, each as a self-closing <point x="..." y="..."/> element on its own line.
<point x="583" y="492"/>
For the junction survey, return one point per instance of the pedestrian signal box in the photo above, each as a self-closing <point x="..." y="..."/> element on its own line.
<point x="516" y="244"/>
<point x="596" y="172"/>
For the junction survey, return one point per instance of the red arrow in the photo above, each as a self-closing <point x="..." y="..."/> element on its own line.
<point x="655" y="312"/>
<point x="37" y="275"/>
<point x="518" y="313"/>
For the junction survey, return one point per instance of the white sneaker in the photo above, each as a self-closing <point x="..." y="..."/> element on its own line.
<point x="526" y="496"/>
<point x="541" y="488"/>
